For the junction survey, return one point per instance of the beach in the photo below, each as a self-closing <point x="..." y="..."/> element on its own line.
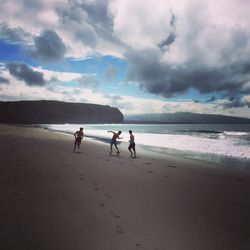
<point x="53" y="198"/>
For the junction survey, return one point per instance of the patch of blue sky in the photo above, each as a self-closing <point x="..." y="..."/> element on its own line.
<point x="10" y="52"/>
<point x="193" y="94"/>
<point x="92" y="65"/>
<point x="97" y="66"/>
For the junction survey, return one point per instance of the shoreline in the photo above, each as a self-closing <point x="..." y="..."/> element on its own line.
<point x="53" y="198"/>
<point x="209" y="157"/>
<point x="217" y="150"/>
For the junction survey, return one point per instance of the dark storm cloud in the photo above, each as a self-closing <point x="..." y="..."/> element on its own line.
<point x="157" y="77"/>
<point x="49" y="47"/>
<point x="169" y="40"/>
<point x="211" y="99"/>
<point x="12" y="35"/>
<point x="211" y="66"/>
<point x="171" y="36"/>
<point x="236" y="102"/>
<point x="97" y="12"/>
<point x="23" y="72"/>
<point x="4" y="80"/>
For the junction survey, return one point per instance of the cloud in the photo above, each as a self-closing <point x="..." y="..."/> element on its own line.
<point x="168" y="80"/>
<point x="23" y="72"/>
<point x="236" y="103"/>
<point x="169" y="46"/>
<point x="13" y="35"/>
<point x="111" y="73"/>
<point x="49" y="47"/>
<point x="4" y="80"/>
<point x="211" y="99"/>
<point x="190" y="53"/>
<point x="88" y="81"/>
<point x="123" y="103"/>
<point x="114" y="98"/>
<point x="165" y="45"/>
<point x="73" y="21"/>
<point x="87" y="26"/>
<point x="183" y="28"/>
<point x="62" y="76"/>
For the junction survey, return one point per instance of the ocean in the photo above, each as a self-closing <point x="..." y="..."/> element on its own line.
<point x="204" y="141"/>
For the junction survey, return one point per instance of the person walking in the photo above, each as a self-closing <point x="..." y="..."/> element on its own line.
<point x="132" y="145"/>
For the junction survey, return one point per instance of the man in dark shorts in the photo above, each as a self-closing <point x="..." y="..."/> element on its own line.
<point x="132" y="144"/>
<point x="78" y="138"/>
<point x="113" y="141"/>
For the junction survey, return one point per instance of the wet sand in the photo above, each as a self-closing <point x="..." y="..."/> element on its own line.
<point x="53" y="198"/>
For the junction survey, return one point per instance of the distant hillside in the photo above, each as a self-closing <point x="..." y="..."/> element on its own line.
<point x="185" y="117"/>
<point x="29" y="112"/>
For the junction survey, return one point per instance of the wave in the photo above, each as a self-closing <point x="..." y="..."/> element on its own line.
<point x="226" y="147"/>
<point x="227" y="143"/>
<point x="229" y="147"/>
<point x="234" y="133"/>
<point x="200" y="131"/>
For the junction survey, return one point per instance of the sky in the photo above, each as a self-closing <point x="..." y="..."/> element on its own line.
<point x="161" y="56"/>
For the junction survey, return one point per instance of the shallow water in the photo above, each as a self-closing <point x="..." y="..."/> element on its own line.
<point x="212" y="140"/>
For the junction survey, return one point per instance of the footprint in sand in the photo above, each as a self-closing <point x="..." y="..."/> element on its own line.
<point x="116" y="216"/>
<point x="119" y="229"/>
<point x="150" y="172"/>
<point x="101" y="204"/>
<point x="108" y="196"/>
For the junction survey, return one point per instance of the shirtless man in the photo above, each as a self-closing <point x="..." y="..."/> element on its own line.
<point x="132" y="144"/>
<point x="113" y="141"/>
<point x="78" y="138"/>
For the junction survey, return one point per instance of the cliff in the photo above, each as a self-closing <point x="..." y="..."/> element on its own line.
<point x="30" y="112"/>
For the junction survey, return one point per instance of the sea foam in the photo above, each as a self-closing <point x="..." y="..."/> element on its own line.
<point x="226" y="143"/>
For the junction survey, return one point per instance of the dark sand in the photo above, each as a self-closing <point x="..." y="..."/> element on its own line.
<point x="52" y="198"/>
